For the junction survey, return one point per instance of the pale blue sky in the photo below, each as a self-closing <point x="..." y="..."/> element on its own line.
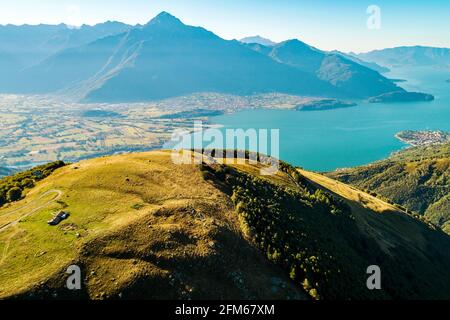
<point x="326" y="24"/>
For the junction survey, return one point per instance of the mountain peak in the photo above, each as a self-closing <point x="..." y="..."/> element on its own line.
<point x="298" y="45"/>
<point x="259" y="40"/>
<point x="295" y="42"/>
<point x="165" y="19"/>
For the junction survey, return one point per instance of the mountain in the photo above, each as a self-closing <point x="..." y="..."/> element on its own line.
<point x="9" y="66"/>
<point x="370" y="65"/>
<point x="417" y="178"/>
<point x="166" y="58"/>
<point x="26" y="45"/>
<point x="142" y="227"/>
<point x="351" y="77"/>
<point x="258" y="40"/>
<point x="113" y="62"/>
<point x="409" y="56"/>
<point x="30" y="44"/>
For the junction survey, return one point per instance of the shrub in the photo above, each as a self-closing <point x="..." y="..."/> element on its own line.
<point x="10" y="186"/>
<point x="27" y="183"/>
<point x="14" y="194"/>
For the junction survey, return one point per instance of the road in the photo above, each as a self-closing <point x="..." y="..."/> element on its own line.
<point x="58" y="194"/>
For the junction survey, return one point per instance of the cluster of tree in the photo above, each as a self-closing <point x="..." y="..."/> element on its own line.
<point x="315" y="238"/>
<point x="11" y="188"/>
<point x="290" y="226"/>
<point x="273" y="217"/>
<point x="420" y="189"/>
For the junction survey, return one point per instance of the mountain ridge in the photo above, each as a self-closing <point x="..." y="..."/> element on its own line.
<point x="409" y="56"/>
<point x="137" y="223"/>
<point x="258" y="40"/>
<point x="346" y="74"/>
<point x="416" y="178"/>
<point x="166" y="58"/>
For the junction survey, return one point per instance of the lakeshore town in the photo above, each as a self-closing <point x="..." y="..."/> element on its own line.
<point x="421" y="138"/>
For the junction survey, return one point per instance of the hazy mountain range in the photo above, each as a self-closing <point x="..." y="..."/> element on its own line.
<point x="115" y="62"/>
<point x="370" y="65"/>
<point x="26" y="45"/>
<point x="259" y="40"/>
<point x="408" y="56"/>
<point x="352" y="78"/>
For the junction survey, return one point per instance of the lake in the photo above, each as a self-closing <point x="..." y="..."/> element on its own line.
<point x="330" y="139"/>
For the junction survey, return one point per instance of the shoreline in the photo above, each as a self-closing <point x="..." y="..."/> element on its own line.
<point x="420" y="138"/>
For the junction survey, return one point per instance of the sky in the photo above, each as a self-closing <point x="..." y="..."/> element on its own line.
<point x="346" y="25"/>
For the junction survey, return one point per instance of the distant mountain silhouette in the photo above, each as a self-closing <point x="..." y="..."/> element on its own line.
<point x="371" y="65"/>
<point x="26" y="45"/>
<point x="344" y="73"/>
<point x="258" y="40"/>
<point x="167" y="58"/>
<point x="32" y="43"/>
<point x="409" y="56"/>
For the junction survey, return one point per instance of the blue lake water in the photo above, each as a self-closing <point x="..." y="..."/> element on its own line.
<point x="330" y="139"/>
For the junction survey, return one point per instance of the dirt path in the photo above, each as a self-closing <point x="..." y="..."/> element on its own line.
<point x="58" y="194"/>
<point x="5" y="250"/>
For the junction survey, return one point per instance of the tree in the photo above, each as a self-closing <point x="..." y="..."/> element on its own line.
<point x="27" y="183"/>
<point x="293" y="273"/>
<point x="314" y="294"/>
<point x="14" y="194"/>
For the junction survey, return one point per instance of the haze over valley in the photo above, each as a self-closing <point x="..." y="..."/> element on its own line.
<point x="145" y="71"/>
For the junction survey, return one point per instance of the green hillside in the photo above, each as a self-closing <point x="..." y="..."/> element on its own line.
<point x="417" y="178"/>
<point x="143" y="227"/>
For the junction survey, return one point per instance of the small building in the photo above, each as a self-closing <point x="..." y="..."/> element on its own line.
<point x="62" y="215"/>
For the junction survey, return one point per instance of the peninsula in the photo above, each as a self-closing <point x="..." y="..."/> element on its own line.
<point x="401" y="96"/>
<point x="421" y="138"/>
<point x="323" y="104"/>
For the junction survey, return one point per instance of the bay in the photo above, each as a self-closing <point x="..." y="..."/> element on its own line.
<point x="348" y="137"/>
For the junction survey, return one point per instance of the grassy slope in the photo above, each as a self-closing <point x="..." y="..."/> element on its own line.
<point x="417" y="178"/>
<point x="326" y="249"/>
<point x="138" y="225"/>
<point x="400" y="237"/>
<point x="141" y="226"/>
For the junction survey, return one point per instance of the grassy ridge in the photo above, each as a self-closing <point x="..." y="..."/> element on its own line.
<point x="417" y="178"/>
<point x="325" y="244"/>
<point x="142" y="227"/>
<point x="139" y="227"/>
